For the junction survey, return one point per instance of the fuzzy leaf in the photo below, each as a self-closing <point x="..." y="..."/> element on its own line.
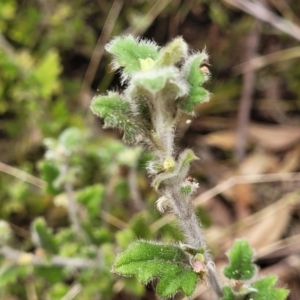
<point x="116" y="113"/>
<point x="241" y="266"/>
<point x="165" y="81"/>
<point x="189" y="156"/>
<point x="167" y="263"/>
<point x="195" y="77"/>
<point x="172" y="53"/>
<point x="129" y="51"/>
<point x="266" y="290"/>
<point x="42" y="236"/>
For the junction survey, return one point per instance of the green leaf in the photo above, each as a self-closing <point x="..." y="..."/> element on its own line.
<point x="128" y="51"/>
<point x="167" y="263"/>
<point x="47" y="72"/>
<point x="241" y="266"/>
<point x="91" y="197"/>
<point x="116" y="113"/>
<point x="228" y="293"/>
<point x="43" y="237"/>
<point x="266" y="290"/>
<point x="172" y="53"/>
<point x="195" y="77"/>
<point x="10" y="273"/>
<point x="49" y="173"/>
<point x="163" y="81"/>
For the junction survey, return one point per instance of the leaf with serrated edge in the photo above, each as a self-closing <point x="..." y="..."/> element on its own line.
<point x="172" y="53"/>
<point x="117" y="113"/>
<point x="195" y="77"/>
<point x="167" y="263"/>
<point x="128" y="51"/>
<point x="266" y="290"/>
<point x="241" y="266"/>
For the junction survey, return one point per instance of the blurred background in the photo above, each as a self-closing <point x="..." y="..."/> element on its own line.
<point x="72" y="195"/>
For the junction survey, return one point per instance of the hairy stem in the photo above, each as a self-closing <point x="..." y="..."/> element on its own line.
<point x="191" y="227"/>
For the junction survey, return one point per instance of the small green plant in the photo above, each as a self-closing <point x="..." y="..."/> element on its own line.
<point x="162" y="84"/>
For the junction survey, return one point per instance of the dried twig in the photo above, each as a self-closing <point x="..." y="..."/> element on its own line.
<point x="262" y="13"/>
<point x="73" y="292"/>
<point x="148" y="18"/>
<point x="19" y="257"/>
<point x="252" y="44"/>
<point x="273" y="58"/>
<point x="22" y="175"/>
<point x="113" y="220"/>
<point x="99" y="49"/>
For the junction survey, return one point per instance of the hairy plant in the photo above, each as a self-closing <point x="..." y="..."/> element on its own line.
<point x="162" y="84"/>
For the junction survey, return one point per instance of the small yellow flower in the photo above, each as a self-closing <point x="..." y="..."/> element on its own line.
<point x="146" y="64"/>
<point x="169" y="164"/>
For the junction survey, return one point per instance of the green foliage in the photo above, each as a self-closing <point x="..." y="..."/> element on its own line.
<point x="163" y="82"/>
<point x="43" y="58"/>
<point x="186" y="189"/>
<point x="10" y="273"/>
<point x="172" y="53"/>
<point x="265" y="289"/>
<point x="43" y="237"/>
<point x="148" y="261"/>
<point x="47" y="72"/>
<point x="49" y="172"/>
<point x="241" y="266"/>
<point x="50" y="273"/>
<point x="242" y="269"/>
<point x="128" y="51"/>
<point x="228" y="293"/>
<point x="92" y="198"/>
<point x="116" y="113"/>
<point x="158" y="88"/>
<point x="195" y="77"/>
